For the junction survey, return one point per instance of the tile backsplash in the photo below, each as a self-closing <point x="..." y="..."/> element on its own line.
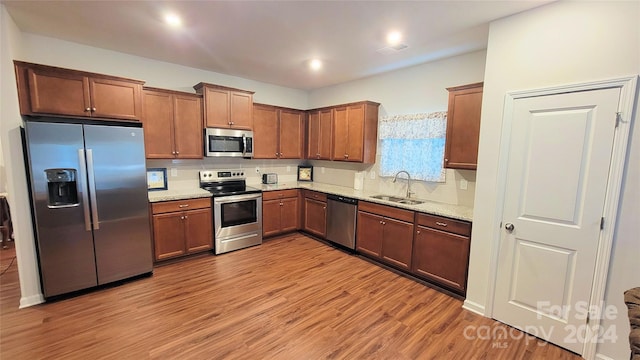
<point x="184" y="174"/>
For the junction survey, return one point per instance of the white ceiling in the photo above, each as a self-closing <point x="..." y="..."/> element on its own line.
<point x="271" y="41"/>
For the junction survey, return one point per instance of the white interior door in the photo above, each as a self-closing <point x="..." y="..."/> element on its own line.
<point x="559" y="158"/>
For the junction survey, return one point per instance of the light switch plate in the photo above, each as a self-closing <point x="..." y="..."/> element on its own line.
<point x="322" y="169"/>
<point x="174" y="172"/>
<point x="372" y="175"/>
<point x="463" y="184"/>
<point x="288" y="168"/>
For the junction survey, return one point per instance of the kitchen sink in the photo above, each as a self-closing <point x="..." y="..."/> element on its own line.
<point x="398" y="200"/>
<point x="387" y="198"/>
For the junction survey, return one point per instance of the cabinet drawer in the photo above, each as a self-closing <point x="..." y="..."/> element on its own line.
<point x="315" y="195"/>
<point x="388" y="211"/>
<point x="180" y="205"/>
<point x="279" y="194"/>
<point x="444" y="224"/>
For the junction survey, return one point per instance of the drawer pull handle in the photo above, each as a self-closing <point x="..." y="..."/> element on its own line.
<point x="441" y="223"/>
<point x="183" y="206"/>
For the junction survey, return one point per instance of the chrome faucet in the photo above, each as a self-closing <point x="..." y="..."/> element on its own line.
<point x="395" y="178"/>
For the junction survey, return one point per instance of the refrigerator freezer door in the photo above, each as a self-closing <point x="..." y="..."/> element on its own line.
<point x="117" y="170"/>
<point x="64" y="240"/>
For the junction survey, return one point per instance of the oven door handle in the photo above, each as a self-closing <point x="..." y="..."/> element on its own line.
<point x="236" y="198"/>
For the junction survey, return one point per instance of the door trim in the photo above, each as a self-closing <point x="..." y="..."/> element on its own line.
<point x="627" y="87"/>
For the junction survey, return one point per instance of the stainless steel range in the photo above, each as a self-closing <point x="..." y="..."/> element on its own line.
<point x="237" y="209"/>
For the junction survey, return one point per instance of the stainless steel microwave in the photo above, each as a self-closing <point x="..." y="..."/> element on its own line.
<point x="228" y="143"/>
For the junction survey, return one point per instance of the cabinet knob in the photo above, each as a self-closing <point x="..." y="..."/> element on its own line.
<point x="177" y="152"/>
<point x="324" y="207"/>
<point x="93" y="109"/>
<point x="173" y="152"/>
<point x="186" y="216"/>
<point x="183" y="205"/>
<point x="182" y="217"/>
<point x="446" y="160"/>
<point x="418" y="232"/>
<point x="87" y="109"/>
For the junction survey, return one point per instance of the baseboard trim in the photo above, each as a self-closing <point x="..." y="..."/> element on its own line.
<point x="603" y="357"/>
<point x="473" y="307"/>
<point x="31" y="300"/>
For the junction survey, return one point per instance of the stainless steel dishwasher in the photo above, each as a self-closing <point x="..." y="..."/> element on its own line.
<point x="341" y="220"/>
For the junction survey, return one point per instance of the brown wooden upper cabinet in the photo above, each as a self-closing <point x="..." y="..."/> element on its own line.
<point x="172" y="124"/>
<point x="463" y="126"/>
<point x="278" y="132"/>
<point x="319" y="134"/>
<point x="63" y="92"/>
<point x="355" y="132"/>
<point x="226" y="107"/>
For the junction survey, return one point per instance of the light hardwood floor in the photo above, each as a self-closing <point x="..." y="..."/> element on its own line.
<point x="290" y="298"/>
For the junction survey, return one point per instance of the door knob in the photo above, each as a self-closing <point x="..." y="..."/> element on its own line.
<point x="509" y="227"/>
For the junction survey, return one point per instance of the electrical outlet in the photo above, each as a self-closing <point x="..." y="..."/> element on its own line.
<point x="258" y="169"/>
<point x="322" y="169"/>
<point x="463" y="184"/>
<point x="372" y="175"/>
<point x="174" y="172"/>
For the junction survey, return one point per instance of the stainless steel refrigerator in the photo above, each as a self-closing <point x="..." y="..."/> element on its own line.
<point x="89" y="204"/>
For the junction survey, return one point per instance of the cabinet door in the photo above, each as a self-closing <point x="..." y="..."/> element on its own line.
<point x="198" y="230"/>
<point x="291" y="134"/>
<point x="397" y="242"/>
<point x="340" y="133"/>
<point x="289" y="214"/>
<point x="58" y="92"/>
<point x="313" y="136"/>
<point x="324" y="143"/>
<point x="187" y="119"/>
<point x="355" y="133"/>
<point x="265" y="132"/>
<point x="463" y="127"/>
<point x="442" y="257"/>
<point x="168" y="235"/>
<point x="369" y="234"/>
<point x="270" y="217"/>
<point x="315" y="217"/>
<point x="157" y="121"/>
<point x="241" y="111"/>
<point x="216" y="108"/>
<point x="115" y="99"/>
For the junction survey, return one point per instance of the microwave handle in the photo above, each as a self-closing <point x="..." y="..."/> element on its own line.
<point x="244" y="144"/>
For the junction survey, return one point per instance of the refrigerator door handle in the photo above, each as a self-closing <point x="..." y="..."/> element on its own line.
<point x="85" y="190"/>
<point x="92" y="190"/>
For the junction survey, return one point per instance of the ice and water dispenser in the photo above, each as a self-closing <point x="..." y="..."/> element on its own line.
<point x="63" y="188"/>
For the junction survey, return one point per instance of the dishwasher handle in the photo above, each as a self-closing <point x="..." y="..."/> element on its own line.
<point x="342" y="199"/>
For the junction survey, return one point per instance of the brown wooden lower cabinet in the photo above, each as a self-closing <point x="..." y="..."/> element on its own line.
<point x="181" y="227"/>
<point x="280" y="212"/>
<point x="384" y="237"/>
<point x="314" y="220"/>
<point x="439" y="255"/>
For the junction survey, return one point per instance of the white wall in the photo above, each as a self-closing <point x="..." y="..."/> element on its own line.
<point x="10" y="122"/>
<point x="48" y="51"/>
<point x="559" y="43"/>
<point x="418" y="89"/>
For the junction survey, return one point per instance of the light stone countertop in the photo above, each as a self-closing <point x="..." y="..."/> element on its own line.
<point x="177" y="194"/>
<point x="429" y="207"/>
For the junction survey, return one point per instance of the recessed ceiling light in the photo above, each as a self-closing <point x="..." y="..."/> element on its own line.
<point x="394" y="37"/>
<point x="315" y="64"/>
<point x="173" y="20"/>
